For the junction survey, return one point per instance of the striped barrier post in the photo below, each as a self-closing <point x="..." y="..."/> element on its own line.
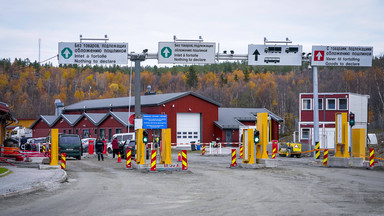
<point x="371" y="157"/>
<point x="241" y="151"/>
<point x="274" y="151"/>
<point x="317" y="150"/>
<point x="233" y="163"/>
<point x="63" y="161"/>
<point x="325" y="157"/>
<point x="43" y="149"/>
<point x="119" y="158"/>
<point x="184" y="160"/>
<point x="179" y="157"/>
<point x="129" y="159"/>
<point x="203" y="150"/>
<point x="153" y="160"/>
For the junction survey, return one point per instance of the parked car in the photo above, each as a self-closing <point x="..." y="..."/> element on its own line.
<point x="71" y="145"/>
<point x="85" y="143"/>
<point x="129" y="144"/>
<point x="121" y="138"/>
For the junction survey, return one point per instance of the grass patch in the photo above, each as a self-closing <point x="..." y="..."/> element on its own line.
<point x="3" y="170"/>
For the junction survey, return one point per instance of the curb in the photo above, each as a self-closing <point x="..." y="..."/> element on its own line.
<point x="41" y="186"/>
<point x="6" y="173"/>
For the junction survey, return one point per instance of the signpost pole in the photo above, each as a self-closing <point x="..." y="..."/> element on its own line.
<point x="137" y="89"/>
<point x="137" y="58"/>
<point x="315" y="111"/>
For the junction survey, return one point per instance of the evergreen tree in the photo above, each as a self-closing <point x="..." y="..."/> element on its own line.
<point x="191" y="77"/>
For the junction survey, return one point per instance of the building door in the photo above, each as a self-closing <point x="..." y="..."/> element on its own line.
<point x="188" y="127"/>
<point x="228" y="135"/>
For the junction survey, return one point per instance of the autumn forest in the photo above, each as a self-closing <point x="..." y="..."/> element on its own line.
<point x="30" y="89"/>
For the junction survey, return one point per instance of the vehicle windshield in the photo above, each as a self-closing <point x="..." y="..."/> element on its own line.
<point x="69" y="140"/>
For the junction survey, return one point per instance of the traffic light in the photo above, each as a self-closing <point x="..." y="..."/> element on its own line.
<point x="351" y="119"/>
<point x="256" y="136"/>
<point x="145" y="136"/>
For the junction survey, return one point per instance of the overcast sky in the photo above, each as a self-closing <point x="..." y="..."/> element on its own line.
<point x="144" y="23"/>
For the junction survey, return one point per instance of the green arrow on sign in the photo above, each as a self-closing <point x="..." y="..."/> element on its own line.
<point x="166" y="52"/>
<point x="66" y="53"/>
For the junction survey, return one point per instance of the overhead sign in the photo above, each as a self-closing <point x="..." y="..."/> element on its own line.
<point x="93" y="53"/>
<point x="186" y="53"/>
<point x="355" y="56"/>
<point x="154" y="121"/>
<point x="275" y="55"/>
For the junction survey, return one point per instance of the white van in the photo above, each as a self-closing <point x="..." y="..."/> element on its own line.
<point x="121" y="137"/>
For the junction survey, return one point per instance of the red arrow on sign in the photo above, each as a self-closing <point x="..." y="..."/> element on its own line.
<point x="319" y="55"/>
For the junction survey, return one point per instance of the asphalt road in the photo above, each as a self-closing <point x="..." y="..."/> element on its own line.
<point x="296" y="187"/>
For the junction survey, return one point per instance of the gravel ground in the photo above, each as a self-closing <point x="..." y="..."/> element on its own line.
<point x="296" y="187"/>
<point x="25" y="180"/>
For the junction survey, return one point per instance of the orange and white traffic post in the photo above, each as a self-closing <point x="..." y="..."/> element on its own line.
<point x="371" y="157"/>
<point x="63" y="161"/>
<point x="184" y="160"/>
<point x="325" y="157"/>
<point x="153" y="160"/>
<point x="119" y="158"/>
<point x="233" y="161"/>
<point x="129" y="159"/>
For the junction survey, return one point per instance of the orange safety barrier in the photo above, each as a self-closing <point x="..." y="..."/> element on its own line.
<point x="129" y="159"/>
<point x="233" y="163"/>
<point x="184" y="160"/>
<point x="63" y="161"/>
<point x="153" y="160"/>
<point x="11" y="151"/>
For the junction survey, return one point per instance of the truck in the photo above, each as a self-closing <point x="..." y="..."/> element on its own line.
<point x="19" y="132"/>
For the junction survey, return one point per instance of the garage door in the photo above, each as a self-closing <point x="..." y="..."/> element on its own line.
<point x="188" y="127"/>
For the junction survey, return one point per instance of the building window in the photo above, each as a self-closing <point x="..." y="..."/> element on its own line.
<point x="306" y="104"/>
<point x="109" y="134"/>
<point x="95" y="131"/>
<point x="343" y="103"/>
<point x="331" y="104"/>
<point x="64" y="131"/>
<point x="118" y="130"/>
<point x="77" y="131"/>
<point x="305" y="133"/>
<point x="320" y="103"/>
<point x="86" y="133"/>
<point x="102" y="133"/>
<point x="69" y="131"/>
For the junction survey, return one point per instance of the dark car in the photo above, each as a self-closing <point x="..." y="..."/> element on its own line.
<point x="71" y="145"/>
<point x="129" y="144"/>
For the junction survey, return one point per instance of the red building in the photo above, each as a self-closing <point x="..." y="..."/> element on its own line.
<point x="329" y="105"/>
<point x="191" y="116"/>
